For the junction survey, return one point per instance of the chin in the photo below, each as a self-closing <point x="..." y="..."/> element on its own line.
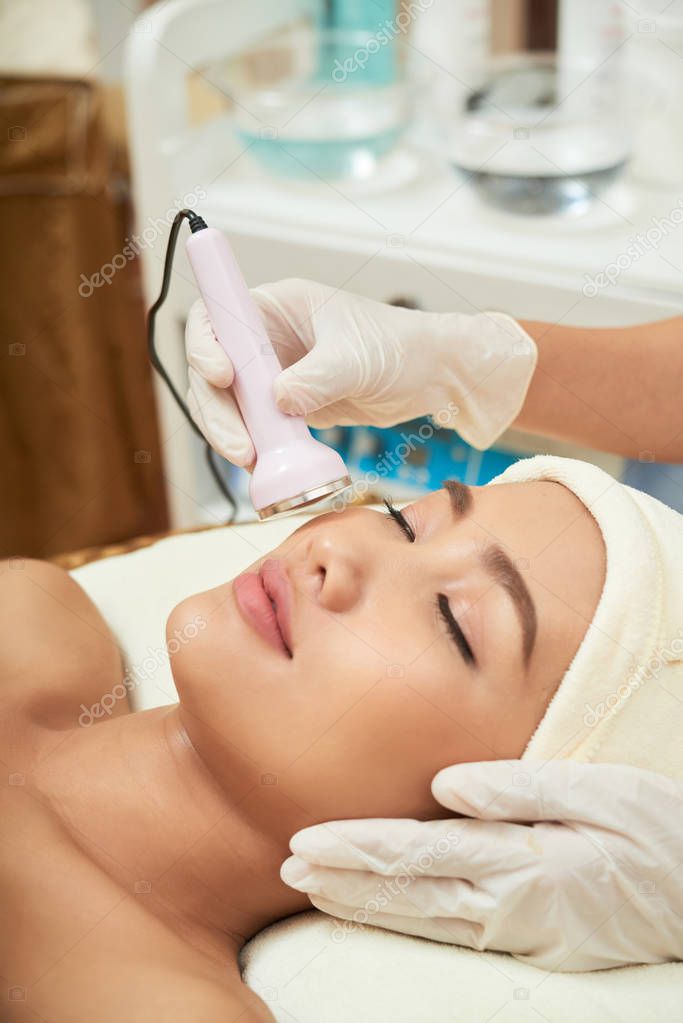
<point x="185" y="621"/>
<point x="192" y="634"/>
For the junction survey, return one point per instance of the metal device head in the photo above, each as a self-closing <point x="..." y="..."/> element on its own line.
<point x="294" y="474"/>
<point x="292" y="468"/>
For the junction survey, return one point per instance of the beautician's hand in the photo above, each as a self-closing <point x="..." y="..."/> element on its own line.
<point x="350" y="360"/>
<point x="592" y="878"/>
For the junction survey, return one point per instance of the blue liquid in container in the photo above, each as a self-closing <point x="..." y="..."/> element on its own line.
<point x="322" y="158"/>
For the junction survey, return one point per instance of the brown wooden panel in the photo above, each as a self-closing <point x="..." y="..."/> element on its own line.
<point x="79" y="446"/>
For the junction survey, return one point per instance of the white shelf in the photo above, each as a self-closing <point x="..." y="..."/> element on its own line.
<point x="438" y="216"/>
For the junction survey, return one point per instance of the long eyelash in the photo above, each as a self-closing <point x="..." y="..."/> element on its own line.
<point x="454" y="629"/>
<point x="442" y="605"/>
<point x="400" y="519"/>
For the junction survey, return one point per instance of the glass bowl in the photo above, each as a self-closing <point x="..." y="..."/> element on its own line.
<point x="315" y="103"/>
<point x="538" y="135"/>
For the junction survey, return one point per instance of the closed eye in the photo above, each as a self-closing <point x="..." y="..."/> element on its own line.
<point x="400" y="519"/>
<point x="443" y="607"/>
<point x="455" y="632"/>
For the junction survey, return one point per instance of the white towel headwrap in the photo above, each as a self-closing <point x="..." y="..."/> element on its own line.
<point x="621" y="699"/>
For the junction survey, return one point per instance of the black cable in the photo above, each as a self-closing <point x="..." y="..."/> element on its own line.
<point x="196" y="224"/>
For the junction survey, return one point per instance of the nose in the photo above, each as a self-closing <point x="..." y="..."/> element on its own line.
<point x="337" y="562"/>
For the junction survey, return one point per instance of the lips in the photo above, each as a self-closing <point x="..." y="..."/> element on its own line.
<point x="264" y="599"/>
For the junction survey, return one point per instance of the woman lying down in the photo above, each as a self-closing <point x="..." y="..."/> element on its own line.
<point x="331" y="680"/>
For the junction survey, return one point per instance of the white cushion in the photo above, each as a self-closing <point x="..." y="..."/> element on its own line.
<point x="307" y="972"/>
<point x="300" y="967"/>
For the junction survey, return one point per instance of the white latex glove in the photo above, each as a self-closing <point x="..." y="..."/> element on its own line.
<point x="349" y="360"/>
<point x="592" y="879"/>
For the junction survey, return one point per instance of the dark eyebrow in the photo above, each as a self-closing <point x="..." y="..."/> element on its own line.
<point x="459" y="495"/>
<point x="498" y="565"/>
<point x="500" y="568"/>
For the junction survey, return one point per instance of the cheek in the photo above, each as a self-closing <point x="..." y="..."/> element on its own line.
<point x="378" y="757"/>
<point x="490" y="718"/>
<point x="394" y="628"/>
<point x="260" y="707"/>
<point x="381" y="721"/>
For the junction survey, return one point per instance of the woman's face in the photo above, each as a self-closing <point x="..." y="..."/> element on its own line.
<point x="415" y="644"/>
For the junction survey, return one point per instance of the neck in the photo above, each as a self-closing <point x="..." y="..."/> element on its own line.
<point x="203" y="855"/>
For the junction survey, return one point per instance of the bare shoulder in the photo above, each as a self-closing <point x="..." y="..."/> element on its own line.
<point x="166" y="991"/>
<point x="56" y="650"/>
<point x="77" y="945"/>
<point x="176" y="998"/>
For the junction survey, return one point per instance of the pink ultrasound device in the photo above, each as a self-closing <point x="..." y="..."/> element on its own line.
<point x="292" y="469"/>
